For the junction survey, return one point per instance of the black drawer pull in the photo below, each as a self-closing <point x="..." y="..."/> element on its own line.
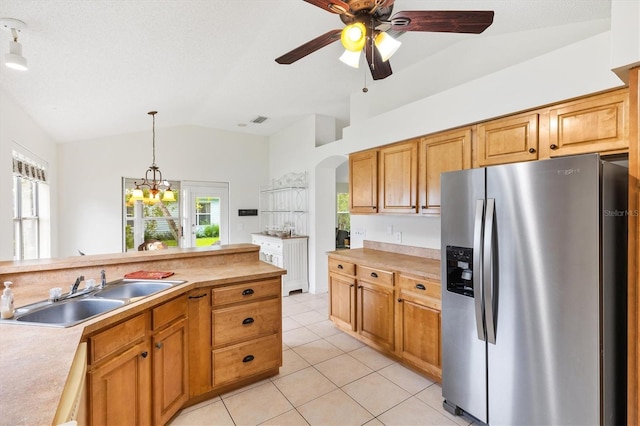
<point x="144" y="354"/>
<point x="420" y="287"/>
<point x="247" y="292"/>
<point x="198" y="297"/>
<point x="248" y="358"/>
<point x="247" y="320"/>
<point x="340" y="267"/>
<point x="374" y="275"/>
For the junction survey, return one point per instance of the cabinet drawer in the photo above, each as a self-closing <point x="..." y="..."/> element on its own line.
<point x="245" y="359"/>
<point x="167" y="312"/>
<point x="341" y="267"/>
<point x="117" y="338"/>
<point x="246" y="292"/>
<point x="420" y="286"/>
<point x="244" y="322"/>
<point x="377" y="276"/>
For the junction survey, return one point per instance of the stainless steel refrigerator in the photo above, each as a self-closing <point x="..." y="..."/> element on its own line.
<point x="534" y="292"/>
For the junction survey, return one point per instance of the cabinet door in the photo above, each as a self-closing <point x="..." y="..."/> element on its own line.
<point x="342" y="298"/>
<point x="375" y="307"/>
<point x="507" y="140"/>
<point x="363" y="182"/>
<point x="440" y="153"/>
<point x="419" y="329"/>
<point x="595" y="124"/>
<point x="170" y="371"/>
<point x="200" y="331"/>
<point x="120" y="389"/>
<point x="398" y="178"/>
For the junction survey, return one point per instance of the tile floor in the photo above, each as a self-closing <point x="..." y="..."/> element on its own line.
<point x="327" y="378"/>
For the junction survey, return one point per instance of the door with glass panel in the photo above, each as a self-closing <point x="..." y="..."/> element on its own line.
<point x="206" y="213"/>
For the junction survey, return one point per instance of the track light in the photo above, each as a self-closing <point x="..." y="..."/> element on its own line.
<point x="351" y="58"/>
<point x="14" y="58"/>
<point x="386" y="45"/>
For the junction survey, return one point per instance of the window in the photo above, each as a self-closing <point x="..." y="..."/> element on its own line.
<point x="144" y="220"/>
<point x="343" y="218"/>
<point x="29" y="181"/>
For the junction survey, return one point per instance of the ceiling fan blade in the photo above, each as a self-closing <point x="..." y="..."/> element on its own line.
<point x="309" y="47"/>
<point x="443" y="21"/>
<point x="379" y="68"/>
<point x="333" y="6"/>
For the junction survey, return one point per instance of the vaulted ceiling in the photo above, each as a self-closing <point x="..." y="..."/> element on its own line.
<point x="96" y="67"/>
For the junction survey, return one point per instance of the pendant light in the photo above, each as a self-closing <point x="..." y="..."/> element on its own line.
<point x="153" y="177"/>
<point x="14" y="58"/>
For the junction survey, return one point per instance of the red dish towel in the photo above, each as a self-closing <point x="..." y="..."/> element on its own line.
<point x="148" y="275"/>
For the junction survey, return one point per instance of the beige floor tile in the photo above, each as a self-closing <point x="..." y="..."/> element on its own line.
<point x="433" y="397"/>
<point x="320" y="305"/>
<point x="289" y="323"/>
<point x="304" y="297"/>
<point x="214" y="413"/>
<point x="324" y="329"/>
<point x="299" y="336"/>
<point x="304" y="385"/>
<point x="317" y="351"/>
<point x="345" y="342"/>
<point x="245" y="388"/>
<point x="334" y="408"/>
<point x="371" y="358"/>
<point x="293" y="309"/>
<point x="310" y="317"/>
<point x="291" y="362"/>
<point x="405" y="378"/>
<point x="200" y="405"/>
<point x="257" y="405"/>
<point x="376" y="393"/>
<point x="343" y="369"/>
<point x="374" y="422"/>
<point x="414" y="412"/>
<point x="290" y="418"/>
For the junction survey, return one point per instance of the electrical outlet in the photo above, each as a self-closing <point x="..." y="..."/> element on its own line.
<point x="390" y="229"/>
<point x="398" y="237"/>
<point x="359" y="232"/>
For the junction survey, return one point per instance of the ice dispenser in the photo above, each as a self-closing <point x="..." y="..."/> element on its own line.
<point x="460" y="270"/>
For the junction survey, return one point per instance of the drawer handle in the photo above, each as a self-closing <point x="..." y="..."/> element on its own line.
<point x="248" y="358"/>
<point x="374" y="275"/>
<point x="340" y="267"/>
<point x="247" y="320"/>
<point x="532" y="150"/>
<point x="420" y="287"/>
<point x="553" y="146"/>
<point x="144" y="354"/>
<point x="247" y="292"/>
<point x="198" y="297"/>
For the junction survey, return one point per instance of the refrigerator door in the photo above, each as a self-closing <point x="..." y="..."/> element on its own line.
<point x="544" y="366"/>
<point x="464" y="369"/>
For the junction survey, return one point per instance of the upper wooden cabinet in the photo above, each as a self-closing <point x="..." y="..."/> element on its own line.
<point x="363" y="182"/>
<point x="439" y="153"/>
<point x="398" y="178"/>
<point x="507" y="140"/>
<point x="594" y="124"/>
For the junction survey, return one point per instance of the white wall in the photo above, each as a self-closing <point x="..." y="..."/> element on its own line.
<point x="19" y="129"/>
<point x="578" y="69"/>
<point x="91" y="172"/>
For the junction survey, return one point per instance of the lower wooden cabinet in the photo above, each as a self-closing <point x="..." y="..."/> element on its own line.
<point x="342" y="307"/>
<point x="375" y="308"/>
<point x="199" y="324"/>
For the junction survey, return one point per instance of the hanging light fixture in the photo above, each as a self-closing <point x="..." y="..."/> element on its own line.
<point x="386" y="45"/>
<point x="14" y="58"/>
<point x="153" y="177"/>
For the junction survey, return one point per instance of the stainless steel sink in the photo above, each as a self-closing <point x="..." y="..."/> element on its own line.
<point x="133" y="289"/>
<point x="70" y="312"/>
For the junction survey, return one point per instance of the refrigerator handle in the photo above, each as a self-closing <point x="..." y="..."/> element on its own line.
<point x="487" y="271"/>
<point x="477" y="267"/>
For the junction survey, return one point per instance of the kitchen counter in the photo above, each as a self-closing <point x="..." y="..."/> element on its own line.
<point x="35" y="360"/>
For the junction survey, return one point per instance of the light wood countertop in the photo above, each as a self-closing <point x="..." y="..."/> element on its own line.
<point x="35" y="360"/>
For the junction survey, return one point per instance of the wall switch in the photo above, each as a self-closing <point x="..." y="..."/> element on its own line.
<point x="398" y="237"/>
<point x="359" y="232"/>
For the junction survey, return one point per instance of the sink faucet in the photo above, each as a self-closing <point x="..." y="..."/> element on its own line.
<point x="103" y="279"/>
<point x="74" y="287"/>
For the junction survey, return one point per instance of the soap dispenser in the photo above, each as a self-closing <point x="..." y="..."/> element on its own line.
<point x="6" y="305"/>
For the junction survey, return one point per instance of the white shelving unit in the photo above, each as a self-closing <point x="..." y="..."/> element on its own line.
<point x="284" y="224"/>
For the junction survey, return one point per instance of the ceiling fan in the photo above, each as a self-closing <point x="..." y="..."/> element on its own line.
<point x="370" y="26"/>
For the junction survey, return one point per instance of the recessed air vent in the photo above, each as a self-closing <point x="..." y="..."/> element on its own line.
<point x="259" y="119"/>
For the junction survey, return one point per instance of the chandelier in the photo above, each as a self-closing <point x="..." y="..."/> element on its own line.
<point x="153" y="177"/>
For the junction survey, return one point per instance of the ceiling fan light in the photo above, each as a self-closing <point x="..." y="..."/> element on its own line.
<point x="386" y="45"/>
<point x="351" y="58"/>
<point x="353" y="37"/>
<point x="14" y="58"/>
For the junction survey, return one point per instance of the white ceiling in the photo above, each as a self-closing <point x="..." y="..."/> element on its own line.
<point x="96" y="67"/>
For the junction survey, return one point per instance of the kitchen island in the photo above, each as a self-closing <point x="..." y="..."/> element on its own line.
<point x="36" y="360"/>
